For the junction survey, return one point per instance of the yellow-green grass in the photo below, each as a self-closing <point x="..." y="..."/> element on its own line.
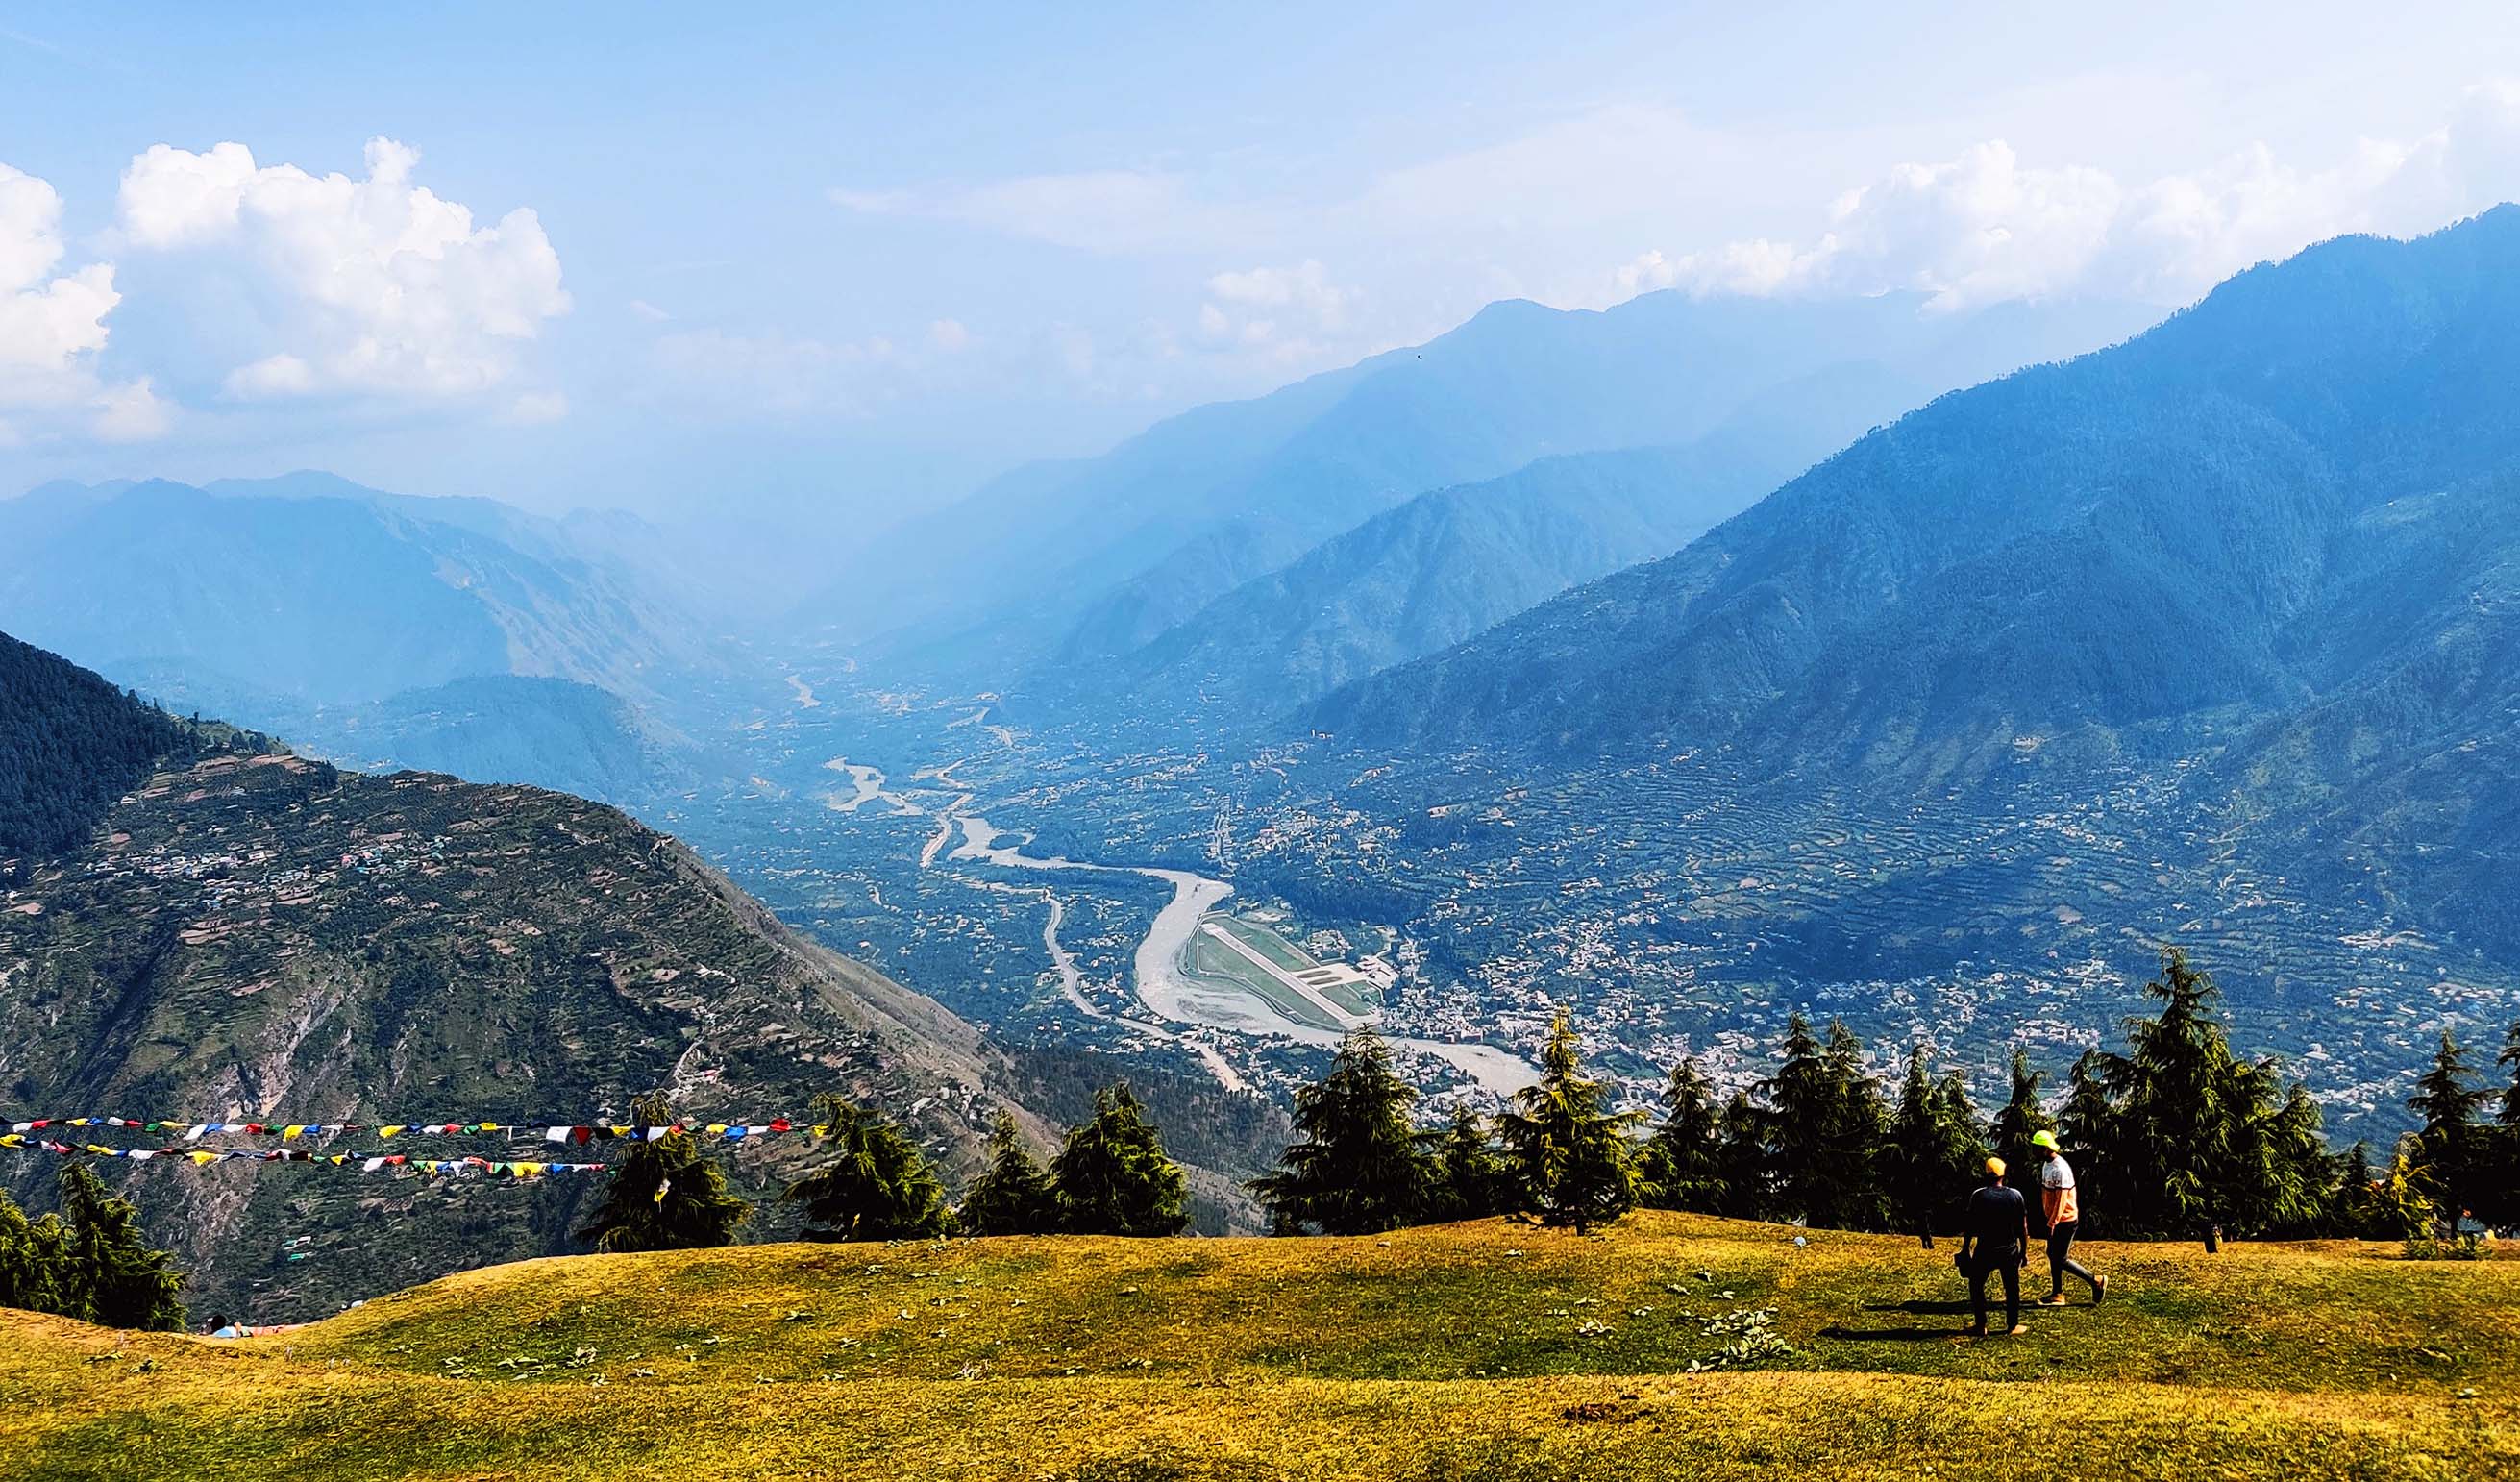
<point x="1466" y="1351"/>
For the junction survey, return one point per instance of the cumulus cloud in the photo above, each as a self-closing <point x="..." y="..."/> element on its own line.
<point x="1984" y="226"/>
<point x="381" y="286"/>
<point x="52" y="327"/>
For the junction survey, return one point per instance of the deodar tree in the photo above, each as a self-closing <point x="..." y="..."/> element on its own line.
<point x="1829" y="1123"/>
<point x="1358" y="1168"/>
<point x="1471" y="1181"/>
<point x="1683" y="1164"/>
<point x="1935" y="1144"/>
<point x="108" y="1273"/>
<point x="1013" y="1194"/>
<point x="666" y="1194"/>
<point x="1113" y="1177"/>
<point x="1577" y="1165"/>
<point x="876" y="1185"/>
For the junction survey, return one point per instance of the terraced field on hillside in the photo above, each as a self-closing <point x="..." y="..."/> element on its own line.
<point x="1476" y="1351"/>
<point x="1683" y="910"/>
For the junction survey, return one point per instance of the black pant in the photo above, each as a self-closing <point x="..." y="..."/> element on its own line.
<point x="2060" y="1258"/>
<point x="2007" y="1263"/>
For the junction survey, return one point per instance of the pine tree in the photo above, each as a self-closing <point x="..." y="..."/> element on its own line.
<point x="1682" y="1165"/>
<point x="2172" y="1091"/>
<point x="666" y="1194"/>
<point x="1802" y="1098"/>
<point x="1113" y="1177"/>
<point x="2088" y="1125"/>
<point x="2446" y="1100"/>
<point x="1933" y="1151"/>
<point x="2500" y="1202"/>
<point x="1012" y="1194"/>
<point x="1577" y="1165"/>
<point x="1470" y="1180"/>
<point x="1853" y="1169"/>
<point x="32" y="1256"/>
<point x="878" y="1184"/>
<point x="1358" y="1170"/>
<point x="1744" y="1162"/>
<point x="113" y="1277"/>
<point x="2022" y="1117"/>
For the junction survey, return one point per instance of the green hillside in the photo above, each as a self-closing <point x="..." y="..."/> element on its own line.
<point x="1486" y="1350"/>
<point x="251" y="936"/>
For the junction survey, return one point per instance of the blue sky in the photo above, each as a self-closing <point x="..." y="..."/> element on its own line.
<point x="863" y="256"/>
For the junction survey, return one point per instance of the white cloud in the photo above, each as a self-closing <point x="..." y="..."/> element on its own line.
<point x="1290" y="314"/>
<point x="1983" y="228"/>
<point x="130" y="413"/>
<point x="52" y="327"/>
<point x="382" y="287"/>
<point x="649" y="311"/>
<point x="949" y="336"/>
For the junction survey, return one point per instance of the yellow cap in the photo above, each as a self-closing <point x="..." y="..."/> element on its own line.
<point x="1995" y="1166"/>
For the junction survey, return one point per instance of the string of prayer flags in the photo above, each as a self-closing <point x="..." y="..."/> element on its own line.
<point x="291" y="1132"/>
<point x="368" y="1163"/>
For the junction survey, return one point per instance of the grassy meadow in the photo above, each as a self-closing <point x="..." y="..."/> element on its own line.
<point x="1474" y="1351"/>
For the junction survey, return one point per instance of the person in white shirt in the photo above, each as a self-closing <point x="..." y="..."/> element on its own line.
<point x="2062" y="1205"/>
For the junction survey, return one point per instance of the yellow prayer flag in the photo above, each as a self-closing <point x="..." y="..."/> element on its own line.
<point x="290" y="1132"/>
<point x="386" y="1131"/>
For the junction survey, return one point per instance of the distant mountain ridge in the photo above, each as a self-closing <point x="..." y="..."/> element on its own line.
<point x="340" y="616"/>
<point x="318" y="589"/>
<point x="1454" y="561"/>
<point x="1101" y="556"/>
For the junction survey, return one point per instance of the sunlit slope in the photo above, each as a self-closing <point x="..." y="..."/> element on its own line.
<point x="1470" y="1350"/>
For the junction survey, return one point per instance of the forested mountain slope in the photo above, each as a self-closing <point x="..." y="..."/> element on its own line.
<point x="253" y="936"/>
<point x="2181" y="533"/>
<point x="2209" y="638"/>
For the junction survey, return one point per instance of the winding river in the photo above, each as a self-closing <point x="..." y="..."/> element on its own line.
<point x="1170" y="995"/>
<point x="1162" y="987"/>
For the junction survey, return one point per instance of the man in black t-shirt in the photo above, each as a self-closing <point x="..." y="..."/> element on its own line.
<point x="1993" y="1235"/>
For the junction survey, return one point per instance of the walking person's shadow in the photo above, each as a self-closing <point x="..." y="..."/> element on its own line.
<point x="1904" y="1335"/>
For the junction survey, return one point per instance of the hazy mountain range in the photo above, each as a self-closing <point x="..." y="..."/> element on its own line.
<point x="1082" y="559"/>
<point x="1695" y="648"/>
<point x="340" y="615"/>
